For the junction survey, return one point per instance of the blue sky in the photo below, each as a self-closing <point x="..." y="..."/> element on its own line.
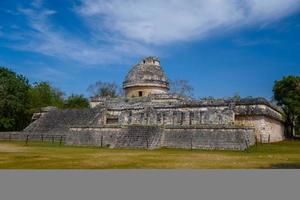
<point x="222" y="47"/>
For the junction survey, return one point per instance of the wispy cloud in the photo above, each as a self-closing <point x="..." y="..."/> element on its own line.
<point x="49" y="39"/>
<point x="160" y="22"/>
<point x="255" y="42"/>
<point x="121" y="29"/>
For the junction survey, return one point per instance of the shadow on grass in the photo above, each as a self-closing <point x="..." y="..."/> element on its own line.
<point x="284" y="166"/>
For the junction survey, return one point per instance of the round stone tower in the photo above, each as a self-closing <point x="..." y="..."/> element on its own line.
<point x="146" y="78"/>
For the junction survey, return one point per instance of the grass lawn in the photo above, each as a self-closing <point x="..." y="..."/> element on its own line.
<point x="37" y="155"/>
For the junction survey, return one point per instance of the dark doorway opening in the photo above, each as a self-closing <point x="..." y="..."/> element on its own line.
<point x="112" y="120"/>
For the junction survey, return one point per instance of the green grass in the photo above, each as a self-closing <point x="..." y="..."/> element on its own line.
<point x="37" y="155"/>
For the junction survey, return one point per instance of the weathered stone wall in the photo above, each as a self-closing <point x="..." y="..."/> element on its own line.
<point x="208" y="138"/>
<point x="177" y="113"/>
<point x="12" y="136"/>
<point x="59" y="121"/>
<point x="137" y="136"/>
<point x="174" y="116"/>
<point x="104" y="137"/>
<point x="36" y="136"/>
<point x="146" y="77"/>
<point x="258" y="110"/>
<point x="266" y="129"/>
<point x="134" y="136"/>
<point x="146" y="91"/>
<point x="205" y="137"/>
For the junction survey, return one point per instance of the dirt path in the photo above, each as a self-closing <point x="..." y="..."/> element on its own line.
<point x="12" y="148"/>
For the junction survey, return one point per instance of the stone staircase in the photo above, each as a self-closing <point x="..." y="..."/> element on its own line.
<point x="136" y="136"/>
<point x="59" y="121"/>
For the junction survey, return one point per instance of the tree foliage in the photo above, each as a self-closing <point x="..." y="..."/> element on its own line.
<point x="181" y="87"/>
<point x="19" y="99"/>
<point x="103" y="89"/>
<point x="42" y="94"/>
<point x="13" y="100"/>
<point x="76" y="101"/>
<point x="287" y="95"/>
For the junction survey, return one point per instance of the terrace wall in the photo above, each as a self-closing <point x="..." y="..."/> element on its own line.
<point x="201" y="137"/>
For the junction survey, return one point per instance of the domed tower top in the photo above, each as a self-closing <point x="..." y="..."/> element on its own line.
<point x="145" y="78"/>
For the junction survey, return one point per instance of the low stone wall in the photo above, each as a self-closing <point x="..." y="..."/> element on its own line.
<point x="208" y="138"/>
<point x="150" y="137"/>
<point x="104" y="137"/>
<point x="10" y="135"/>
<point x="23" y="136"/>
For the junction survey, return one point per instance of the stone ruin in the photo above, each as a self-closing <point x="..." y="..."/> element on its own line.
<point x="149" y="117"/>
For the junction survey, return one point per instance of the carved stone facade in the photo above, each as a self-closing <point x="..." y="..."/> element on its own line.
<point x="172" y="110"/>
<point x="149" y="117"/>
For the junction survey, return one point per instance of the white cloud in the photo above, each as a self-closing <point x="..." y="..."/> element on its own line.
<point x="121" y="29"/>
<point x="160" y="22"/>
<point x="49" y="39"/>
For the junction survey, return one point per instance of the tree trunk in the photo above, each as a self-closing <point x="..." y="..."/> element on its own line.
<point x="289" y="126"/>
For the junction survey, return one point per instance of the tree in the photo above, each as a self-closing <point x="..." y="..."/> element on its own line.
<point x="297" y="127"/>
<point x="181" y="87"/>
<point x="287" y="95"/>
<point x="42" y="94"/>
<point x="13" y="100"/>
<point x="76" y="101"/>
<point x="102" y="89"/>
